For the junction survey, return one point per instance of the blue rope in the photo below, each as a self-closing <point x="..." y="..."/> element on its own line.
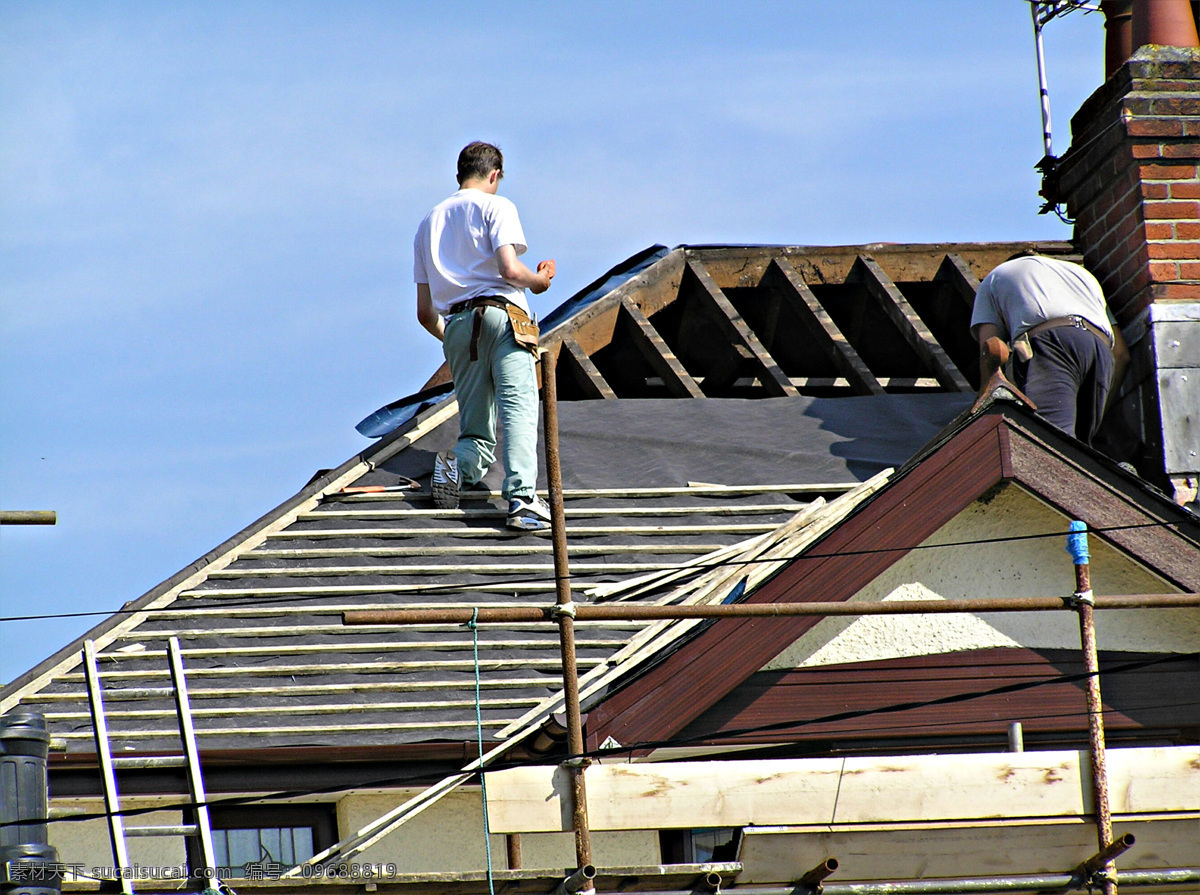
<point x="487" y="832"/>
<point x="1077" y="543"/>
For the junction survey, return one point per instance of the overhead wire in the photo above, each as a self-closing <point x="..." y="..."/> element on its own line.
<point x="698" y="568"/>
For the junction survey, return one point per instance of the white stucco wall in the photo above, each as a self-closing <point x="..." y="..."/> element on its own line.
<point x="1025" y="568"/>
<point x="448" y="836"/>
<point x="87" y="842"/>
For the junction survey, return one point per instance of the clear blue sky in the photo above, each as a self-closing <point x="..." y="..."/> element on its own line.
<point x="206" y="212"/>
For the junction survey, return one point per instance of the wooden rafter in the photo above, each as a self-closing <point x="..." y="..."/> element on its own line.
<point x="956" y="274"/>
<point x="785" y="282"/>
<point x="585" y="373"/>
<point x="731" y="324"/>
<point x="914" y="331"/>
<point x="657" y="353"/>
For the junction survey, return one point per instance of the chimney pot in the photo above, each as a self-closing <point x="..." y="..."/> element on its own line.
<point x="1164" y="23"/>
<point x="1118" y="34"/>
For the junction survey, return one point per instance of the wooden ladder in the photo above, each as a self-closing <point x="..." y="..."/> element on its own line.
<point x="201" y="829"/>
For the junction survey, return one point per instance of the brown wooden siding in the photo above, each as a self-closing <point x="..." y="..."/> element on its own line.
<point x="1163" y="698"/>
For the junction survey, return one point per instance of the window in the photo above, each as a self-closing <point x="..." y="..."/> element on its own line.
<point x="699" y="846"/>
<point x="271" y="845"/>
<point x="281" y="835"/>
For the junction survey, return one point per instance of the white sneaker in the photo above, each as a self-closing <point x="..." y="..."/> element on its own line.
<point x="446" y="481"/>
<point x="528" y="514"/>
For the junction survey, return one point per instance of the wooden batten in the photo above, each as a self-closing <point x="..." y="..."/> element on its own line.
<point x="577" y="512"/>
<point x="490" y="532"/>
<point x="743" y="266"/>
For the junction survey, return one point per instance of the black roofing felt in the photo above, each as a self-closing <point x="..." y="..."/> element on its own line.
<point x="270" y="664"/>
<point x="667" y="442"/>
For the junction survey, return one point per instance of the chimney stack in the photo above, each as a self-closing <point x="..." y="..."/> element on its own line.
<point x="1131" y="181"/>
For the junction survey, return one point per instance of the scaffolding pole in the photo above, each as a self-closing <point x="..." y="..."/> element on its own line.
<point x="564" y="613"/>
<point x="626" y="612"/>
<point x="1083" y="599"/>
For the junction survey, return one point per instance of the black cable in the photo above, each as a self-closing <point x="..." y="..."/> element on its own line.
<point x="668" y="743"/>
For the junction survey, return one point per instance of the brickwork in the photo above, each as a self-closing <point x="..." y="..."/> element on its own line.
<point x="1131" y="181"/>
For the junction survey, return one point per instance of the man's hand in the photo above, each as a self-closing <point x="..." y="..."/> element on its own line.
<point x="426" y="314"/>
<point x="515" y="272"/>
<point x="545" y="269"/>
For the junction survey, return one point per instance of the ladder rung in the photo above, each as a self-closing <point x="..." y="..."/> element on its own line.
<point x="154" y="761"/>
<point x="140" y="692"/>
<point x="184" y="830"/>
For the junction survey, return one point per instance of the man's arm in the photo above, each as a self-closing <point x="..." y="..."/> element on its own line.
<point x="427" y="314"/>
<point x="987" y="366"/>
<point x="515" y="272"/>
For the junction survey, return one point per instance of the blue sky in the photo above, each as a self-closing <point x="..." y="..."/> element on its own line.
<point x="206" y="213"/>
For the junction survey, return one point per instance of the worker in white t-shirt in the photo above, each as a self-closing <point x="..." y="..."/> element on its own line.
<point x="471" y="295"/>
<point x="1067" y="354"/>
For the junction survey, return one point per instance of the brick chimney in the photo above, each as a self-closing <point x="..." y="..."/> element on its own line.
<point x="1131" y="181"/>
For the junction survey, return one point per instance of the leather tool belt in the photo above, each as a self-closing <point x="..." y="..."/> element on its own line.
<point x="1023" y="350"/>
<point x="525" y="331"/>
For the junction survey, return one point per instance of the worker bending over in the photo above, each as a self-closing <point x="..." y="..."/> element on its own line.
<point x="471" y="295"/>
<point x="1067" y="354"/>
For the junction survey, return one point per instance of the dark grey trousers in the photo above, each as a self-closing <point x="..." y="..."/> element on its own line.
<point x="1068" y="379"/>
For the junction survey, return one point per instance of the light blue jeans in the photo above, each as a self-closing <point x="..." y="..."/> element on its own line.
<point x="501" y="382"/>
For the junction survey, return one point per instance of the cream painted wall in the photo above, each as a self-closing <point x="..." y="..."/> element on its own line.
<point x="86" y="842"/>
<point x="1026" y="568"/>
<point x="448" y="837"/>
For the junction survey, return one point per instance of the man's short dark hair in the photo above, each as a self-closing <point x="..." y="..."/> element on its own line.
<point x="479" y="159"/>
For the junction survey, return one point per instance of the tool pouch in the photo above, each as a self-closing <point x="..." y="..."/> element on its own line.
<point x="525" y="331"/>
<point x="1022" y="349"/>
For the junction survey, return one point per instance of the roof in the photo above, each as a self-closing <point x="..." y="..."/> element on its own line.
<point x="806" y="369"/>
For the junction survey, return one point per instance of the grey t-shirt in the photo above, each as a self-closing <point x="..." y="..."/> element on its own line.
<point x="1019" y="294"/>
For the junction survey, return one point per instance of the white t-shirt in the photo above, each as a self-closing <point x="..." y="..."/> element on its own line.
<point x="1019" y="294"/>
<point x="455" y="249"/>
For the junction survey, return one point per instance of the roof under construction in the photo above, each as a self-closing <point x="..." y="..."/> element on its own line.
<point x="808" y="371"/>
<point x="828" y="429"/>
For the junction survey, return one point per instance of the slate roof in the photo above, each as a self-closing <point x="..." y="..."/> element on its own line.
<point x="861" y="349"/>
